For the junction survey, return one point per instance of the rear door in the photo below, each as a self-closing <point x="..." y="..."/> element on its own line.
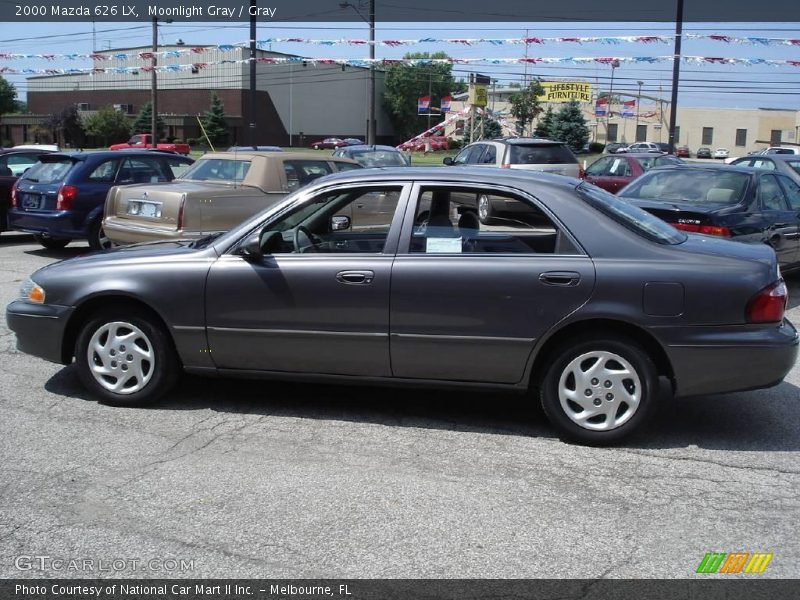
<point x="781" y="223"/>
<point x="469" y="300"/>
<point x="792" y="190"/>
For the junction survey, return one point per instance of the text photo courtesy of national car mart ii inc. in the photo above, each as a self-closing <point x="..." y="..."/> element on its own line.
<point x="338" y="590"/>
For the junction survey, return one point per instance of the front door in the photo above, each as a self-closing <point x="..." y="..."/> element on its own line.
<point x="318" y="301"/>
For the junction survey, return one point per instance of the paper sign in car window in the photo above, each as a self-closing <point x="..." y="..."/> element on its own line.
<point x="442" y="245"/>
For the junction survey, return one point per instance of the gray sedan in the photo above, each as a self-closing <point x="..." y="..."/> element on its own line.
<point x="788" y="164"/>
<point x="567" y="294"/>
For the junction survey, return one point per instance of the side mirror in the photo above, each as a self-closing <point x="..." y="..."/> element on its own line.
<point x="340" y="223"/>
<point x="251" y="250"/>
<point x="448" y="160"/>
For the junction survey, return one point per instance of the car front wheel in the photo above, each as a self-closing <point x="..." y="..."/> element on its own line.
<point x="98" y="240"/>
<point x="599" y="391"/>
<point x="485" y="210"/>
<point x="126" y="358"/>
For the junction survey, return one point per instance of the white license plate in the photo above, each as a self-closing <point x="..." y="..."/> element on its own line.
<point x="31" y="201"/>
<point x="144" y="209"/>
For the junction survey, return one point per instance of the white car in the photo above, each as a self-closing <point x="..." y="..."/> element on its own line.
<point x="641" y="147"/>
<point x="43" y="147"/>
<point x="782" y="150"/>
<point x="721" y="153"/>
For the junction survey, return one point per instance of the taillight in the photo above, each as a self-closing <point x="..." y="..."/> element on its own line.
<point x="66" y="194"/>
<point x="705" y="229"/>
<point x="505" y="166"/>
<point x="14" y="195"/>
<point x="581" y="173"/>
<point x="768" y="305"/>
<point x="180" y="212"/>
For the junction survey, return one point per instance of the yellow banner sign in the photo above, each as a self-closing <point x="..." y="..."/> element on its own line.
<point x="478" y="95"/>
<point x="564" y="91"/>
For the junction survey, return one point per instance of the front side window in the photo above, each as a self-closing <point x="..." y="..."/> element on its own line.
<point x="600" y="167"/>
<point x="490" y="156"/>
<point x="353" y="220"/>
<point x="453" y="220"/>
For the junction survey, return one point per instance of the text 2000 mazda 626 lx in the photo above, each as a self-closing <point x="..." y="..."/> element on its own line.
<point x="389" y="276"/>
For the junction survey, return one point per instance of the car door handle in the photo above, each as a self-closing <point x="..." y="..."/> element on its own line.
<point x="560" y="278"/>
<point x="355" y="277"/>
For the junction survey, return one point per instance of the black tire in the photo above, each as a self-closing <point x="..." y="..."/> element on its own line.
<point x="97" y="238"/>
<point x="606" y="346"/>
<point x="51" y="243"/>
<point x="163" y="371"/>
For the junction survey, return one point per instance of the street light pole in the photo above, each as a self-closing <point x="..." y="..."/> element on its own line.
<point x="676" y="72"/>
<point x="614" y="65"/>
<point x="638" y="102"/>
<point x="154" y="87"/>
<point x="371" y="92"/>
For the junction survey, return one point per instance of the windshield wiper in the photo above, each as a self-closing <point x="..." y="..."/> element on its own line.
<point x="30" y="179"/>
<point x="205" y="241"/>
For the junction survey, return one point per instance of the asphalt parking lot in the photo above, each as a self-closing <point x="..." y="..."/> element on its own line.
<point x="258" y="479"/>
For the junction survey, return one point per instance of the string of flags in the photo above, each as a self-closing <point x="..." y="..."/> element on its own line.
<point x="365" y="62"/>
<point x="610" y="40"/>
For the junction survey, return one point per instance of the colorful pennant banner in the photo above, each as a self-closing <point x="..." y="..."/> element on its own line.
<point x="363" y="62"/>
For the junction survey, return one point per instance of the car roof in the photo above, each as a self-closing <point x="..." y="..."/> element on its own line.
<point x="713" y="167"/>
<point x="81" y="155"/>
<point x="25" y="151"/>
<point x="525" y="141"/>
<point x="643" y="154"/>
<point x="486" y="175"/>
<point x="783" y="157"/>
<point x="281" y="155"/>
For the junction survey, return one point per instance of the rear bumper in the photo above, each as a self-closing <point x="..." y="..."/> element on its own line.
<point x="39" y="328"/>
<point x="55" y="224"/>
<point x="732" y="359"/>
<point x="126" y="232"/>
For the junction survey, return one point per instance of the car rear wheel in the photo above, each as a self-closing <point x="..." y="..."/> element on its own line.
<point x="126" y="358"/>
<point x="51" y="243"/>
<point x="98" y="240"/>
<point x="598" y="391"/>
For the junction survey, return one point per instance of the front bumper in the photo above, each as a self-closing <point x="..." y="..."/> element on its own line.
<point x="713" y="360"/>
<point x="40" y="329"/>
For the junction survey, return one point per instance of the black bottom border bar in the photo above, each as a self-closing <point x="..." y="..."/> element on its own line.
<point x="719" y="588"/>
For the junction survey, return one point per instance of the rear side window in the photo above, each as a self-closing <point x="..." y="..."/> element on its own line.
<point x="343" y="166"/>
<point x="770" y="194"/>
<point x="536" y="154"/>
<point x="177" y="167"/>
<point x="303" y="172"/>
<point x="49" y="172"/>
<point x="629" y="216"/>
<point x="104" y="172"/>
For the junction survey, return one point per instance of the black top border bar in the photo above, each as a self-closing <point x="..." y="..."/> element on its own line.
<point x="276" y="12"/>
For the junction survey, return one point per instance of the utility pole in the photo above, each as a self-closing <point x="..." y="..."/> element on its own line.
<point x="154" y="87"/>
<point x="430" y="97"/>
<point x="638" y="102"/>
<point x="614" y="65"/>
<point x="371" y="115"/>
<point x="252" y="130"/>
<point x="676" y="72"/>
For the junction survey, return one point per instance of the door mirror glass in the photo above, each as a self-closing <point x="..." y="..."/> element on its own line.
<point x="448" y="160"/>
<point x="340" y="223"/>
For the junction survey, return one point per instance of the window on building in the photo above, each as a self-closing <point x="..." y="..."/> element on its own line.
<point x="741" y="137"/>
<point x="775" y="137"/>
<point x="612" y="132"/>
<point x="677" y="135"/>
<point x="708" y="136"/>
<point x="641" y="133"/>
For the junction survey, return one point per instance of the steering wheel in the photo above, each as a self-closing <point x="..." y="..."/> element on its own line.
<point x="304" y="240"/>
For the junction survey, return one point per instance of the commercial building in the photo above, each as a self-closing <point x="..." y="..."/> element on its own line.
<point x="296" y="102"/>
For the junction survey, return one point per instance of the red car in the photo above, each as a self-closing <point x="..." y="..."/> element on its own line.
<point x="683" y="152"/>
<point x="436" y="142"/>
<point x="329" y="143"/>
<point x="612" y="173"/>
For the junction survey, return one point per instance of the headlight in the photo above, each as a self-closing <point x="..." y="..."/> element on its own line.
<point x="30" y="291"/>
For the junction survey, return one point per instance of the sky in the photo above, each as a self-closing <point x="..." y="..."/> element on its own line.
<point x="706" y="85"/>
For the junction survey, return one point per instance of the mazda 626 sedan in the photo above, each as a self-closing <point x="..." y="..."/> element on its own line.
<point x="566" y="293"/>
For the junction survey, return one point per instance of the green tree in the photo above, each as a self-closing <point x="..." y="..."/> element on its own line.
<point x="525" y="105"/>
<point x="491" y="128"/>
<point x="144" y="122"/>
<point x="544" y="128"/>
<point x="405" y="83"/>
<point x="215" y="123"/>
<point x="8" y="97"/>
<point x="570" y="126"/>
<point x="66" y="127"/>
<point x="108" y="124"/>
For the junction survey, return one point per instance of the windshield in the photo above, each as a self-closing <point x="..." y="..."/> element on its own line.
<point x="698" y="186"/>
<point x="537" y="154"/>
<point x="629" y="216"/>
<point x="217" y="169"/>
<point x="379" y="158"/>
<point x="48" y="172"/>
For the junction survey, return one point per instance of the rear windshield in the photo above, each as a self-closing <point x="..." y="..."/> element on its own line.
<point x="537" y="154"/>
<point x="688" y="185"/>
<point x="629" y="216"/>
<point x="650" y="162"/>
<point x="54" y="171"/>
<point x="217" y="169"/>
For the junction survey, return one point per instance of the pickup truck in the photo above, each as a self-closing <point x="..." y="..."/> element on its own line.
<point x="219" y="191"/>
<point x="141" y="141"/>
